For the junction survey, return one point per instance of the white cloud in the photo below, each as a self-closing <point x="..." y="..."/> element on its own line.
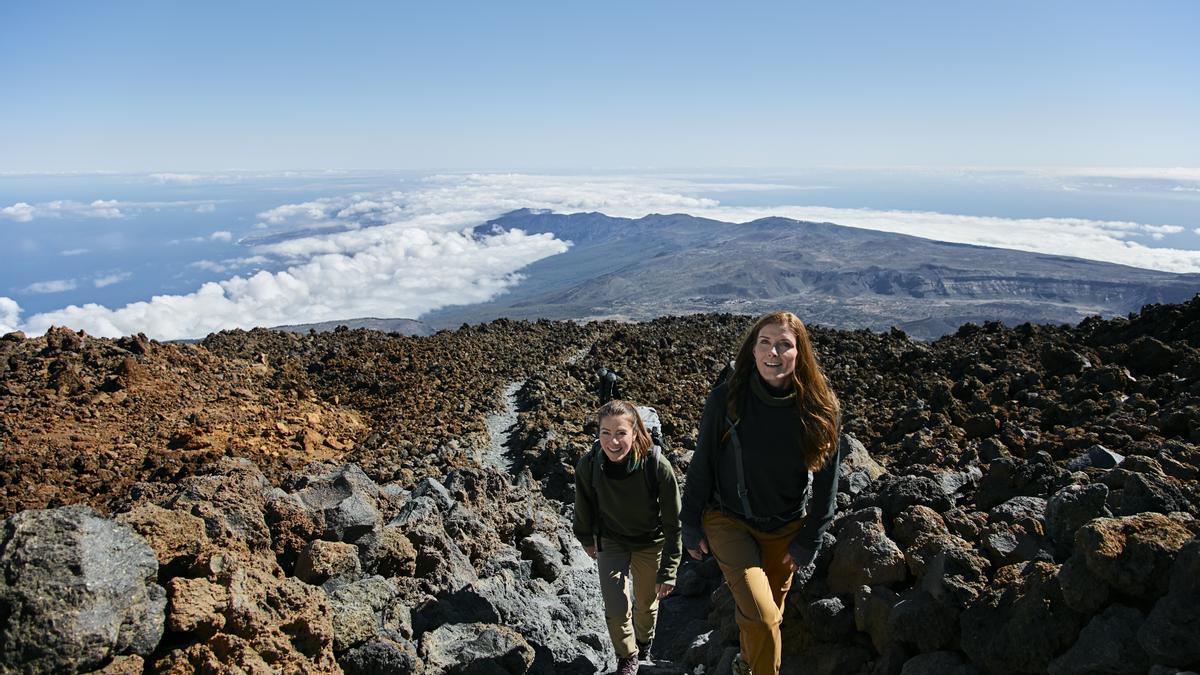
<point x="296" y="213"/>
<point x="229" y="264"/>
<point x="20" y="212"/>
<point x="100" y="208"/>
<point x="52" y="286"/>
<point x="1185" y="173"/>
<point x="206" y="208"/>
<point x="10" y="315"/>
<point x="219" y="235"/>
<point x="185" y="178"/>
<point x="74" y="251"/>
<point x="412" y="273"/>
<point x="110" y="279"/>
<point x="234" y="176"/>
<point x="453" y="202"/>
<point x="406" y="252"/>
<point x="23" y="212"/>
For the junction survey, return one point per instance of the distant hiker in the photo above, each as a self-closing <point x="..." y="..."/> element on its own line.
<point x="763" y="431"/>
<point x="627" y="518"/>
<point x="606" y="385"/>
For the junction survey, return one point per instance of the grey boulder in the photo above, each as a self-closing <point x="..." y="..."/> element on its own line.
<point x="76" y="589"/>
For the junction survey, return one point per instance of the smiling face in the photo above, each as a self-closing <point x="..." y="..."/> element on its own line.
<point x="616" y="436"/>
<point x="775" y="354"/>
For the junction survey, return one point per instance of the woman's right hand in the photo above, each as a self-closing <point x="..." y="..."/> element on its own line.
<point x="591" y="551"/>
<point x="699" y="552"/>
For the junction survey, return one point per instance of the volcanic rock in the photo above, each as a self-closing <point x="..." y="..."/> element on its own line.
<point x="76" y="589"/>
<point x="1022" y="623"/>
<point x="1107" y="644"/>
<point x="486" y="649"/>
<point x="864" y="555"/>
<point x="1134" y="554"/>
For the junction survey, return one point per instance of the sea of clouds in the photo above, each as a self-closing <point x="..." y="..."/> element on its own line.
<point x="405" y="252"/>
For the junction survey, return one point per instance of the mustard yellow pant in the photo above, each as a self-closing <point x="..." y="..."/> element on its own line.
<point x="627" y="581"/>
<point x="753" y="565"/>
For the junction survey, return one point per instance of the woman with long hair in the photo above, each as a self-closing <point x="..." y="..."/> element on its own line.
<point x="627" y="518"/>
<point x="767" y="435"/>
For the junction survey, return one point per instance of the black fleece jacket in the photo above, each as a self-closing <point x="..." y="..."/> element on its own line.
<point x="776" y="474"/>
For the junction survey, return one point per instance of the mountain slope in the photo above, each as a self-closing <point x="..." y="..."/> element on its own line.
<point x="839" y="276"/>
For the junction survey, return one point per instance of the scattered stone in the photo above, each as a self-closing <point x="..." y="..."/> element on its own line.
<point x="1107" y="644"/>
<point x="829" y="619"/>
<point x="1095" y="457"/>
<point x="76" y="590"/>
<point x="865" y="556"/>
<point x="546" y="558"/>
<point x="1022" y="623"/>
<point x="475" y="648"/>
<point x="322" y="560"/>
<point x="1133" y="554"/>
<point x="938" y="663"/>
<point x="1169" y="633"/>
<point x="1069" y="509"/>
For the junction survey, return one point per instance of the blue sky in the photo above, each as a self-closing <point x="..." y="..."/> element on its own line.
<point x="158" y="86"/>
<point x="178" y="168"/>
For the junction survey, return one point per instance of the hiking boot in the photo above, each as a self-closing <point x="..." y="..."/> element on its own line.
<point x="627" y="665"/>
<point x="739" y="666"/>
<point x="644" y="652"/>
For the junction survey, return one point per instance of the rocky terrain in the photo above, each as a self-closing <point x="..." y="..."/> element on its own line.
<point x="1013" y="500"/>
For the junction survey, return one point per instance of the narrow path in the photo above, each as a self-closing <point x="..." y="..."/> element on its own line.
<point x="577" y="356"/>
<point x="499" y="425"/>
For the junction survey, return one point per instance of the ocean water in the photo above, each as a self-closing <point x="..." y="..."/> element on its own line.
<point x="113" y="240"/>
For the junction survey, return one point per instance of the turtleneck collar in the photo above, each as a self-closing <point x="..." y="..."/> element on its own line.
<point x="771" y="396"/>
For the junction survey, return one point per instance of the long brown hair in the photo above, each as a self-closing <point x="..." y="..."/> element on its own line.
<point x="817" y="406"/>
<point x="641" y="435"/>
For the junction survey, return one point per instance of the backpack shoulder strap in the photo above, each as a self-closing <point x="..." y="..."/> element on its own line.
<point x="597" y="470"/>
<point x="597" y="466"/>
<point x="736" y="444"/>
<point x="650" y="468"/>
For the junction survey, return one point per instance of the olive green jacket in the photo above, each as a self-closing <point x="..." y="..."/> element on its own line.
<point x="625" y="512"/>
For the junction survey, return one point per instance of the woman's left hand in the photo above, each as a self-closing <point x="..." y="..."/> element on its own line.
<point x="664" y="590"/>
<point x="791" y="564"/>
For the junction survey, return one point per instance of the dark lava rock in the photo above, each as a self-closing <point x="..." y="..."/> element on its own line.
<point x="864" y="555"/>
<point x="76" y="589"/>
<point x="477" y="649"/>
<point x="1107" y="644"/>
<point x="382" y="656"/>
<point x="1022" y="623"/>
<point x="900" y="492"/>
<point x="1134" y="554"/>
<point x="1069" y="509"/>
<point x="828" y="619"/>
<point x="1097" y="457"/>
<point x="1170" y="633"/>
<point x="1008" y="478"/>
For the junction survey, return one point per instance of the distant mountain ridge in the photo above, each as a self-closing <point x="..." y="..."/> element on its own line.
<point x="830" y="274"/>
<point x="409" y="327"/>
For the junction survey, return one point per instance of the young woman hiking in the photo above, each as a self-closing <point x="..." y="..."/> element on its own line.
<point x="762" y="432"/>
<point x="627" y="518"/>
